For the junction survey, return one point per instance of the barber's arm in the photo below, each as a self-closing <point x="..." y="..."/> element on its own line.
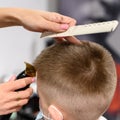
<point x="35" y="20"/>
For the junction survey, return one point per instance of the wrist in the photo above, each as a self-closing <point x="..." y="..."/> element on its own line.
<point x="9" y="16"/>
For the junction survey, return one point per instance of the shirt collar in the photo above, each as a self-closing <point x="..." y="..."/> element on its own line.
<point x="39" y="116"/>
<point x="102" y="118"/>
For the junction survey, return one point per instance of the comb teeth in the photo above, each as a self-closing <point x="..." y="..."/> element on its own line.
<point x="99" y="27"/>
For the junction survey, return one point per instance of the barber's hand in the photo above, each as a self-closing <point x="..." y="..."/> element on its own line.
<point x="40" y="21"/>
<point x="70" y="39"/>
<point x="12" y="101"/>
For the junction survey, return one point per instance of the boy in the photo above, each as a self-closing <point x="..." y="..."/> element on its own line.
<point x="75" y="82"/>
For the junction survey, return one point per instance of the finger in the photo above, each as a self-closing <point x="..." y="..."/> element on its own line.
<point x="54" y="27"/>
<point x="16" y="103"/>
<point x="64" y="19"/>
<point x="23" y="94"/>
<point x="73" y="40"/>
<point x="15" y="109"/>
<point x="21" y="83"/>
<point x="19" y="95"/>
<point x="68" y="20"/>
<point x="22" y="102"/>
<point x="14" y="106"/>
<point x="58" y="18"/>
<point x="6" y="86"/>
<point x="60" y="40"/>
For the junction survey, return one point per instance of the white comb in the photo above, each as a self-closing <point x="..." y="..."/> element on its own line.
<point x="99" y="27"/>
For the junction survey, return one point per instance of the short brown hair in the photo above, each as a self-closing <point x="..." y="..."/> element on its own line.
<point x="77" y="73"/>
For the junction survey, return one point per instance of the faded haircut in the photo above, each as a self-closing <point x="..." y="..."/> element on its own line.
<point x="80" y="78"/>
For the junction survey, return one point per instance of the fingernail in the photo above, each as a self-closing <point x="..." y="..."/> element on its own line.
<point x="33" y="79"/>
<point x="64" y="26"/>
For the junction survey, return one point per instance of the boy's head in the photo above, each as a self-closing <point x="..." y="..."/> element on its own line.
<point x="78" y="80"/>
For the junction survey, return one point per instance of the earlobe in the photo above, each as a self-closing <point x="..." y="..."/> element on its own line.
<point x="55" y="113"/>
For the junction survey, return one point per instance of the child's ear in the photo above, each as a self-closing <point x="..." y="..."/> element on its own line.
<point x="55" y="113"/>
